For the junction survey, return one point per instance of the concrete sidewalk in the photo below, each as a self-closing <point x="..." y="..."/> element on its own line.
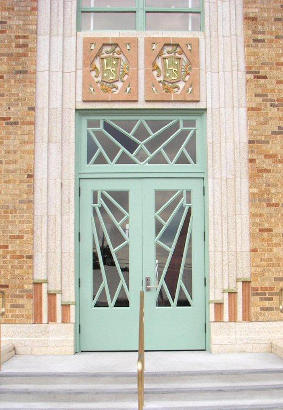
<point x="155" y="362"/>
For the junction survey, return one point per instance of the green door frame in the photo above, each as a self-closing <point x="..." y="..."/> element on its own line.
<point x="194" y="171"/>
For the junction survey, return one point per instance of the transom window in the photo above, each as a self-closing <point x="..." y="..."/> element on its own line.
<point x="142" y="142"/>
<point x="166" y="15"/>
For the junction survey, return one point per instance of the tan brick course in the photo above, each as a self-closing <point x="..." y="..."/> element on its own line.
<point x="264" y="59"/>
<point x="17" y="101"/>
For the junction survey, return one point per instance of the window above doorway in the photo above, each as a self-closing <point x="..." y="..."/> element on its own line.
<point x="141" y="141"/>
<point x="165" y="15"/>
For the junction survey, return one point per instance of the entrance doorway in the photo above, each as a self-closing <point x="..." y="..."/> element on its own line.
<point x="141" y="226"/>
<point x="142" y="234"/>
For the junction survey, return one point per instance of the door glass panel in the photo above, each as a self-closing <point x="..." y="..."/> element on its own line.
<point x="108" y="21"/>
<point x="173" y="248"/>
<point x="142" y="142"/>
<point x="110" y="228"/>
<point x="173" y="21"/>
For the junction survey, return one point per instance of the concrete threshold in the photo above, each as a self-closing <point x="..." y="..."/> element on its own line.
<point x="103" y="362"/>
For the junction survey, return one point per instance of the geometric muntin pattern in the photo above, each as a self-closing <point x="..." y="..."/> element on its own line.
<point x="143" y="141"/>
<point x="173" y="241"/>
<point x="110" y="227"/>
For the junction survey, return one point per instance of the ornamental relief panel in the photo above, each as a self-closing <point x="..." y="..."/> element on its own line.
<point x="110" y="69"/>
<point x="172" y="69"/>
<point x="171" y="66"/>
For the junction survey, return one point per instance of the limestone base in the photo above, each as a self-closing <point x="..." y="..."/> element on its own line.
<point x="249" y="337"/>
<point x="52" y="338"/>
<point x="226" y="337"/>
<point x="7" y="352"/>
<point x="277" y="348"/>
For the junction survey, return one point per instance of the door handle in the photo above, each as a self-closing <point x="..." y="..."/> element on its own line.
<point x="148" y="287"/>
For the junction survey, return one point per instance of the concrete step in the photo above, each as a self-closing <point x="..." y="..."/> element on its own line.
<point x="189" y="380"/>
<point x="261" y="389"/>
<point x="81" y="394"/>
<point x="133" y="406"/>
<point x="131" y="388"/>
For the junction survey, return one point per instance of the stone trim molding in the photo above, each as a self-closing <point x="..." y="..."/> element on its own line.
<point x="54" y="154"/>
<point x="227" y="146"/>
<point x="222" y="93"/>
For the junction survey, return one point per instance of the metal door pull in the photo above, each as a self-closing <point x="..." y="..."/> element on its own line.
<point x="147" y="284"/>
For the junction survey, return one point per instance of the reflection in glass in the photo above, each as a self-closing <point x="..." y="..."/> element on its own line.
<point x="126" y="125"/>
<point x="162" y="136"/>
<point x="191" y="147"/>
<point x="111" y="150"/>
<point x="110" y="226"/>
<point x="194" y="4"/>
<point x="120" y="137"/>
<point x="173" y="21"/>
<point x="189" y="123"/>
<point x="108" y="21"/>
<point x="174" y="146"/>
<point x="91" y="147"/>
<point x="173" y="247"/>
<point x="108" y="3"/>
<point x="93" y="123"/>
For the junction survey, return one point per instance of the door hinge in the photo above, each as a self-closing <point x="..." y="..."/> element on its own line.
<point x="204" y="281"/>
<point x="203" y="190"/>
<point x="79" y="282"/>
<point x="204" y="236"/>
<point x="79" y="191"/>
<point x="205" y="328"/>
<point x="79" y="235"/>
<point x="79" y="328"/>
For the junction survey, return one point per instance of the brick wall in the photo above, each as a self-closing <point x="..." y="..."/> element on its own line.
<point x="17" y="101"/>
<point x="263" y="22"/>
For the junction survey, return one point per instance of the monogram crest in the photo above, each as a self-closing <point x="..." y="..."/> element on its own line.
<point x="172" y="69"/>
<point x="109" y="68"/>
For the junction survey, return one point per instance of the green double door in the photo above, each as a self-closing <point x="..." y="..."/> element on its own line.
<point x="143" y="233"/>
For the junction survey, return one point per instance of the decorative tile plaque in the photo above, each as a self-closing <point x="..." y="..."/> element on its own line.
<point x="172" y="69"/>
<point x="110" y="69"/>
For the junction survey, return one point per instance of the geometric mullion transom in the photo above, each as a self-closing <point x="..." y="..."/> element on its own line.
<point x="173" y="244"/>
<point x="110" y="228"/>
<point x="142" y="142"/>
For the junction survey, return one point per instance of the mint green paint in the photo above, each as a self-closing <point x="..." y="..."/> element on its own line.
<point x="199" y="167"/>
<point x="119" y="174"/>
<point x="109" y="328"/>
<point x="166" y="328"/>
<point x="174" y="328"/>
<point x="140" y="9"/>
<point x="206" y="229"/>
<point x="77" y="228"/>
